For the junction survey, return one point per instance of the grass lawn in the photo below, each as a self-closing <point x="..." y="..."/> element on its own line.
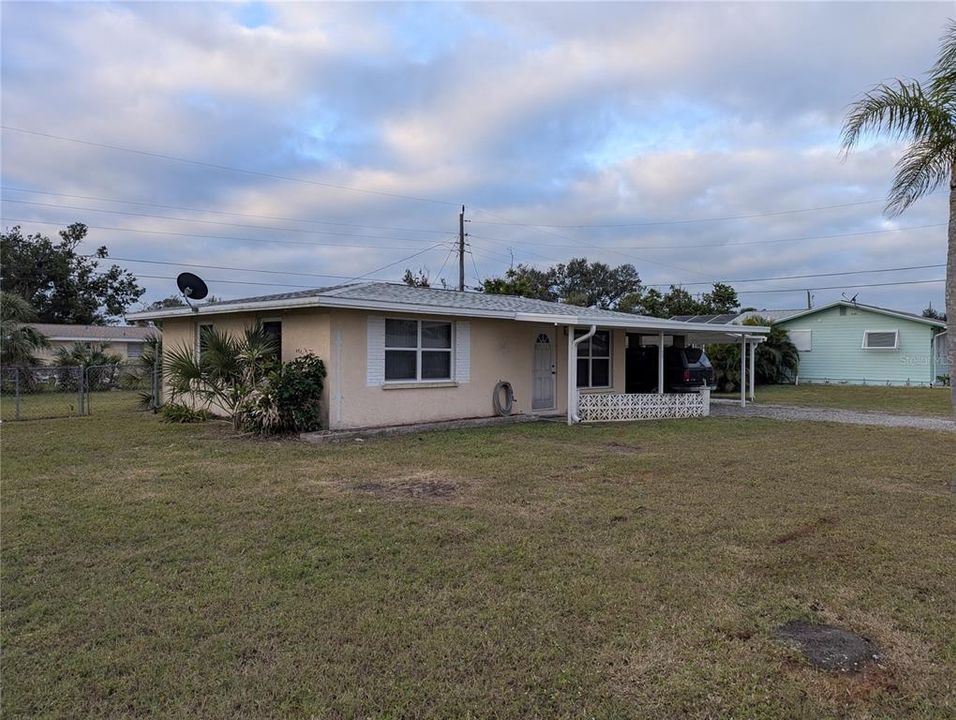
<point x="897" y="400"/>
<point x="42" y="405"/>
<point x="530" y="571"/>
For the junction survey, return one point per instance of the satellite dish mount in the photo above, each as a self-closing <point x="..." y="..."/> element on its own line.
<point x="192" y="287"/>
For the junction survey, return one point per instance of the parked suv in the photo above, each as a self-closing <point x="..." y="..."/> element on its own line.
<point x="685" y="369"/>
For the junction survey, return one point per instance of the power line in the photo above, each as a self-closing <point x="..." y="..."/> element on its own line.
<point x="843" y="287"/>
<point x="801" y="277"/>
<point x="219" y="267"/>
<point x="62" y="223"/>
<point x="208" y="222"/>
<point x="652" y="223"/>
<point x="404" y="259"/>
<point x="730" y="244"/>
<point x="227" y="168"/>
<point x="220" y="212"/>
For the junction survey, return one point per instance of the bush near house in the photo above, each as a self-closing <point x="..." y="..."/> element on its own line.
<point x="241" y="377"/>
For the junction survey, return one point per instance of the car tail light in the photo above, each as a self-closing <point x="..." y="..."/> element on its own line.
<point x="686" y="375"/>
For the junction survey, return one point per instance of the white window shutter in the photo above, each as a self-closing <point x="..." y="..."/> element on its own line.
<point x="463" y="351"/>
<point x="375" y="362"/>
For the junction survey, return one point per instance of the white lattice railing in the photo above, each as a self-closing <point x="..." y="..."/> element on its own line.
<point x="600" y="407"/>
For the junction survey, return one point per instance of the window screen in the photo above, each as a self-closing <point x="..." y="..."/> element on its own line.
<point x="880" y="339"/>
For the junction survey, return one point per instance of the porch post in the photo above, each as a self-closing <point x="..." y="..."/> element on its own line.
<point x="572" y="374"/>
<point x="753" y="352"/>
<point x="660" y="363"/>
<point x="743" y="371"/>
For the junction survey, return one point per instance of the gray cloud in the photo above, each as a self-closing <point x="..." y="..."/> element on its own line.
<point x="540" y="113"/>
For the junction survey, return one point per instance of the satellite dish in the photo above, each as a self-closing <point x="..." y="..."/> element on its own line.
<point x="191" y="286"/>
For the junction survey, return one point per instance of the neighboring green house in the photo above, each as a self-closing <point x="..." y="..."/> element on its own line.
<point x="851" y="343"/>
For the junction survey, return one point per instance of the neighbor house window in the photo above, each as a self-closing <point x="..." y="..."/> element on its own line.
<point x="134" y="350"/>
<point x="417" y="350"/>
<point x="594" y="359"/>
<point x="273" y="329"/>
<point x="802" y="340"/>
<point x="881" y="340"/>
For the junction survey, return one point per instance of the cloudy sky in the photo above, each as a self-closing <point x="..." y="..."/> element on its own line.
<point x="324" y="141"/>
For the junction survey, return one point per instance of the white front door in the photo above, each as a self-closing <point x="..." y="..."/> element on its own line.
<point x="543" y="375"/>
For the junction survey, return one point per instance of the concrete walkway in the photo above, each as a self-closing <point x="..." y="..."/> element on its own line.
<point x="814" y="414"/>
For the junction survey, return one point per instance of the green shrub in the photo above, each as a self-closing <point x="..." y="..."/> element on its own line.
<point x="180" y="413"/>
<point x="298" y="391"/>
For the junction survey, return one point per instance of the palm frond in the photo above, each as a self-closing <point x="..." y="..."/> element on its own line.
<point x="943" y="72"/>
<point x="924" y="167"/>
<point x="900" y="110"/>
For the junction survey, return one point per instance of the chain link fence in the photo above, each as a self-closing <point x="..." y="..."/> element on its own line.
<point x="33" y="393"/>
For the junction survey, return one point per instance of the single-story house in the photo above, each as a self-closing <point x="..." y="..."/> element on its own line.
<point x="126" y="341"/>
<point x="851" y="343"/>
<point x="399" y="355"/>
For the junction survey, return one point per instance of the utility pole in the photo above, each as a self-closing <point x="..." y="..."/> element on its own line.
<point x="461" y="250"/>
<point x="809" y="301"/>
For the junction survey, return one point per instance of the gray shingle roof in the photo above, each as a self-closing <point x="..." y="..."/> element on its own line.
<point x="380" y="296"/>
<point x="94" y="333"/>
<point x="432" y="297"/>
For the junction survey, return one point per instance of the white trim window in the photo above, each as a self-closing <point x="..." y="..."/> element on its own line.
<point x="418" y="350"/>
<point x="802" y="339"/>
<point x="881" y="339"/>
<point x="594" y="359"/>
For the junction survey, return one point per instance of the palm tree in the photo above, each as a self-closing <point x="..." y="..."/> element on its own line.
<point x="228" y="375"/>
<point x="18" y="341"/>
<point x="925" y="117"/>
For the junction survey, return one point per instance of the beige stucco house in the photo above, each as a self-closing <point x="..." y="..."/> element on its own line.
<point x="398" y="355"/>
<point x="126" y="341"/>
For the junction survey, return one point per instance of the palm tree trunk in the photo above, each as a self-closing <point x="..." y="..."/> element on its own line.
<point x="951" y="285"/>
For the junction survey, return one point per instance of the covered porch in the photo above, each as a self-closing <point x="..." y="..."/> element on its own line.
<point x="650" y="392"/>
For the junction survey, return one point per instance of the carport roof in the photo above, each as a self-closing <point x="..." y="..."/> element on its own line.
<point x="389" y="297"/>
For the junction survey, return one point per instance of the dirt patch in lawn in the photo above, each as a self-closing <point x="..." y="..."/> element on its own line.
<point x="828" y="647"/>
<point x="417" y="487"/>
<point x="802" y="531"/>
<point x="622" y="449"/>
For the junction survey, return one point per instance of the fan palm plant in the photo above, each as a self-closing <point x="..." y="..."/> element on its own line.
<point x="19" y="342"/>
<point x="924" y="116"/>
<point x="228" y="373"/>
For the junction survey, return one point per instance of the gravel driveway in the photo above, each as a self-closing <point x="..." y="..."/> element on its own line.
<point x="849" y="417"/>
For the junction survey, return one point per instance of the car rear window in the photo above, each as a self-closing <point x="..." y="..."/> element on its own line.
<point x="693" y="354"/>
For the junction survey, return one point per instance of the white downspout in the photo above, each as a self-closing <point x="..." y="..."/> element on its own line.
<point x="660" y="363"/>
<point x="573" y="371"/>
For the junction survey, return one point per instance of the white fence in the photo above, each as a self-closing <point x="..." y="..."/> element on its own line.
<point x="600" y="407"/>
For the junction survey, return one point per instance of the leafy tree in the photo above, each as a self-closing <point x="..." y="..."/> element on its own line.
<point x="579" y="282"/>
<point x="19" y="342"/>
<point x="595" y="284"/>
<point x="419" y="279"/>
<point x="678" y="301"/>
<point x="62" y="285"/>
<point x="524" y="281"/>
<point x="924" y="116"/>
<point x="722" y="299"/>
